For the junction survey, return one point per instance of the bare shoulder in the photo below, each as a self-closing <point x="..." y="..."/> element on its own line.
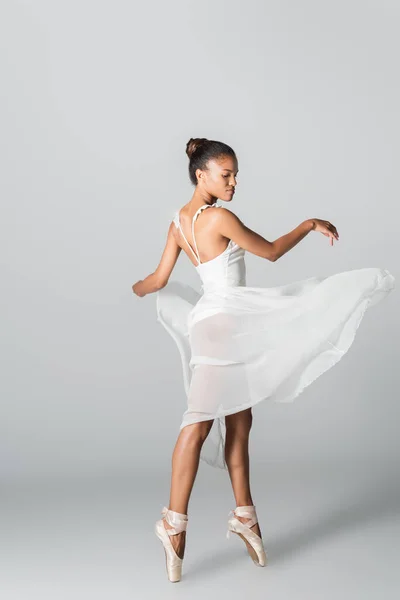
<point x="229" y="221"/>
<point x="232" y="227"/>
<point x="227" y="214"/>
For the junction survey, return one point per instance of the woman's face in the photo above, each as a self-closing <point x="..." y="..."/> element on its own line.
<point x="220" y="178"/>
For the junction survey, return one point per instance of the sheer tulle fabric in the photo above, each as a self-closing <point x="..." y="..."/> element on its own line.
<point x="240" y="345"/>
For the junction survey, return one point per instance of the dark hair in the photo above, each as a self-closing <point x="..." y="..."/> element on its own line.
<point x="201" y="150"/>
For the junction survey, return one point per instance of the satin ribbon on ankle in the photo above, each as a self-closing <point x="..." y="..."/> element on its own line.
<point x="178" y="521"/>
<point x="247" y="512"/>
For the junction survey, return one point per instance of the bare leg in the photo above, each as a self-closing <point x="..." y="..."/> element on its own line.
<point x="185" y="464"/>
<point x="238" y="428"/>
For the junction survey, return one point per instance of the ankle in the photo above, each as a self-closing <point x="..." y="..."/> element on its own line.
<point x="178" y="535"/>
<point x="242" y="519"/>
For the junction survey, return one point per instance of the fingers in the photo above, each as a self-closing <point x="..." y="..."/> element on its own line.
<point x="332" y="229"/>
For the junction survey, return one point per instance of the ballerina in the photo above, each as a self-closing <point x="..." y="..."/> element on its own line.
<point x="240" y="345"/>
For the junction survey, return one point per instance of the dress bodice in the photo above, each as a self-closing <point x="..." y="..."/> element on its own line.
<point x="226" y="269"/>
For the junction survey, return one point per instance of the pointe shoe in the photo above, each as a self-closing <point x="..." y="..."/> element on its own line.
<point x="179" y="522"/>
<point x="253" y="541"/>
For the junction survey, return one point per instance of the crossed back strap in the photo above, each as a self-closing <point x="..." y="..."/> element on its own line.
<point x="178" y="224"/>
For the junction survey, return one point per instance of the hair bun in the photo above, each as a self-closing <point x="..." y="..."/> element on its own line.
<point x="193" y="144"/>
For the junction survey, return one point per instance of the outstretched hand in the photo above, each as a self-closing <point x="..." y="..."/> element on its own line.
<point x="326" y="228"/>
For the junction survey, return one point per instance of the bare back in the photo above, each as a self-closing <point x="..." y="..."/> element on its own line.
<point x="198" y="236"/>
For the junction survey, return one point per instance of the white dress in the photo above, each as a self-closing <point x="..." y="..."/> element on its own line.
<point x="240" y="345"/>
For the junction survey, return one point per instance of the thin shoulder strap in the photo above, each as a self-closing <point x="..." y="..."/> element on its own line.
<point x="198" y="211"/>
<point x="178" y="224"/>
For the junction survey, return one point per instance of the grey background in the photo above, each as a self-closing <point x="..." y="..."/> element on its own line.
<point x="99" y="100"/>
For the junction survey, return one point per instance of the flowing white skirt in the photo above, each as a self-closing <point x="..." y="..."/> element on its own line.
<point x="240" y="345"/>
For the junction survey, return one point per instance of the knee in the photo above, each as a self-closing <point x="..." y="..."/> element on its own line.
<point x="196" y="433"/>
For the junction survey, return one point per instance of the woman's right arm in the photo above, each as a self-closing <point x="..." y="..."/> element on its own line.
<point x="231" y="227"/>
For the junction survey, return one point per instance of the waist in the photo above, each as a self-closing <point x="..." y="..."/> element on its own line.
<point x="213" y="286"/>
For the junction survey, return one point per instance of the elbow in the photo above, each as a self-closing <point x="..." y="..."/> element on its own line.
<point x="274" y="254"/>
<point x="273" y="257"/>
